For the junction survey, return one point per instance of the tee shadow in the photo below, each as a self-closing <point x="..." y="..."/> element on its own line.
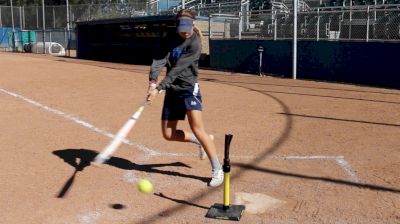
<point x="161" y="195"/>
<point x="372" y="187"/>
<point x="82" y="158"/>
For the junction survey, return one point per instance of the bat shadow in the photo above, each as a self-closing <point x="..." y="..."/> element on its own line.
<point x="82" y="158"/>
<point x="79" y="159"/>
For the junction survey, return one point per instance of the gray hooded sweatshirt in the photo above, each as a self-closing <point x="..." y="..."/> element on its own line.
<point x="181" y="56"/>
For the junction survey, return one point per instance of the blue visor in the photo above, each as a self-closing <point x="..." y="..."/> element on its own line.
<point x="184" y="25"/>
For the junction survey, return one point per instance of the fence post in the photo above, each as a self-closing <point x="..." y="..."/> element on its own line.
<point x="65" y="37"/>
<point x="20" y="18"/>
<point x="275" y="23"/>
<point x="351" y="14"/>
<point x="68" y="29"/>
<point x="89" y="16"/>
<point x="1" y="22"/>
<point x="295" y="7"/>
<point x="240" y="25"/>
<point x="198" y="10"/>
<point x="37" y="17"/>
<point x="13" y="28"/>
<point x="44" y="29"/>
<point x="23" y="16"/>
<point x="318" y="24"/>
<point x="54" y="18"/>
<point x="367" y="23"/>
<point x="247" y="15"/>
<point x="209" y="27"/>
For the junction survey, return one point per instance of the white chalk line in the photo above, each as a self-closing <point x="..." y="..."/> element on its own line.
<point x="338" y="159"/>
<point x="89" y="217"/>
<point x="80" y="121"/>
<point x="347" y="167"/>
<point x="152" y="152"/>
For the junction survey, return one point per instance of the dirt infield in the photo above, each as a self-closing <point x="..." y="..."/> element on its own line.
<point x="302" y="151"/>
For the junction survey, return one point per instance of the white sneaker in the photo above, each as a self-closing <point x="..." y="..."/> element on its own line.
<point x="217" y="178"/>
<point x="202" y="153"/>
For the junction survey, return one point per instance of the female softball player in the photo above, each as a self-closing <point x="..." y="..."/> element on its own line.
<point x="182" y="93"/>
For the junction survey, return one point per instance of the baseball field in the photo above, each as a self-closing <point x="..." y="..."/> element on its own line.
<point x="302" y="151"/>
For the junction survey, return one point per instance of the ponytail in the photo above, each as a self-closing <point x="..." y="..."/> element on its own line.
<point x="185" y="13"/>
<point x="198" y="32"/>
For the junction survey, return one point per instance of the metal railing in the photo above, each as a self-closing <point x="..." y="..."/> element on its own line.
<point x="361" y="23"/>
<point x="56" y="16"/>
<point x="224" y="26"/>
<point x="55" y="20"/>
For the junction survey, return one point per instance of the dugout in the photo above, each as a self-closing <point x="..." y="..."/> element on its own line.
<point x="127" y="40"/>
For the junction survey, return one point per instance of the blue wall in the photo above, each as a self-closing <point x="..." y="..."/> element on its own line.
<point x="4" y="36"/>
<point x="373" y="63"/>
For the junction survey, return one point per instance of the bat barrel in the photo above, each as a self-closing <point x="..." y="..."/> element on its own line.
<point x="100" y="159"/>
<point x="119" y="137"/>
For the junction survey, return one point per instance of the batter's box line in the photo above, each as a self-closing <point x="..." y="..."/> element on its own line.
<point x="340" y="160"/>
<point x="79" y="121"/>
<point x="83" y="123"/>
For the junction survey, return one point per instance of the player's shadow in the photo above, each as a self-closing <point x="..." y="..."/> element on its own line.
<point x="81" y="158"/>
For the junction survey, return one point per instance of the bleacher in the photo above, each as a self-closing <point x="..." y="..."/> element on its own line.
<point x="208" y="7"/>
<point x="333" y="17"/>
<point x="221" y="8"/>
<point x="387" y="26"/>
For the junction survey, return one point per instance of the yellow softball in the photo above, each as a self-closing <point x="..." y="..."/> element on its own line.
<point x="145" y="186"/>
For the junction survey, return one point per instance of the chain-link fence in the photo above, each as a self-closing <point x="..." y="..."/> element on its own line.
<point x="200" y="7"/>
<point x="31" y="17"/>
<point x="224" y="26"/>
<point x="52" y="26"/>
<point x="32" y="40"/>
<point x="362" y="23"/>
